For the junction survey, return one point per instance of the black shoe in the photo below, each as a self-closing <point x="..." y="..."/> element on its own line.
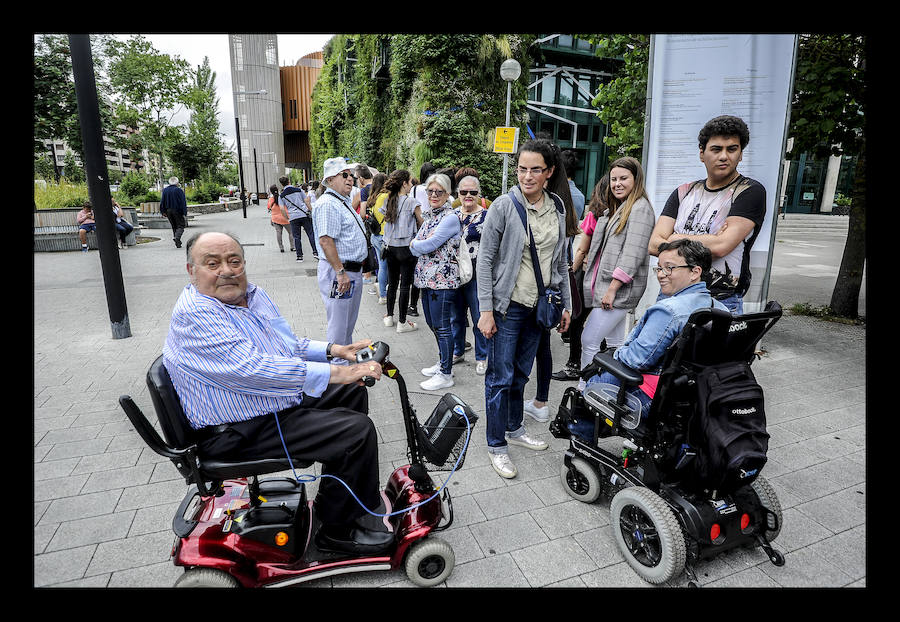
<point x="412" y="311"/>
<point x="354" y="539"/>
<point x="468" y="347"/>
<point x="177" y="243"/>
<point x="565" y="374"/>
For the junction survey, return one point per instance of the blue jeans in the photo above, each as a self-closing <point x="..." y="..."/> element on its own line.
<point x="735" y="304"/>
<point x="378" y="243"/>
<point x="468" y="298"/>
<point x="511" y="353"/>
<point x="585" y="429"/>
<point x="437" y="303"/>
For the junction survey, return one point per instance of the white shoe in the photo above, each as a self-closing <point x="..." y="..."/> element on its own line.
<point x="541" y="415"/>
<point x="437" y="382"/>
<point x="381" y="300"/>
<point x="406" y="327"/>
<point x="434" y="369"/>
<point x="459" y="358"/>
<point x="526" y="441"/>
<point x="480" y="367"/>
<point x="389" y="321"/>
<point x="372" y="290"/>
<point x="503" y="465"/>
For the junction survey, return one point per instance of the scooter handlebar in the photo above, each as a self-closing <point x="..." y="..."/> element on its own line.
<point x="377" y="352"/>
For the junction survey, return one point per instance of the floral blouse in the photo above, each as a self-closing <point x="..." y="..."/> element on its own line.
<point x="472" y="224"/>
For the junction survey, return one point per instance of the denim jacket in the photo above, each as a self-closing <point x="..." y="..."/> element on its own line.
<point x="657" y="329"/>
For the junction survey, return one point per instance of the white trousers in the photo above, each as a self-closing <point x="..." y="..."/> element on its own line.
<point x="601" y="324"/>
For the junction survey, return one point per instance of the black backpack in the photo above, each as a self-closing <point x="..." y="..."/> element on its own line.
<point x="729" y="427"/>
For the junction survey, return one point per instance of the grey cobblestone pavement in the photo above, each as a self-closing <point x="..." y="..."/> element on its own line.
<point x="103" y="501"/>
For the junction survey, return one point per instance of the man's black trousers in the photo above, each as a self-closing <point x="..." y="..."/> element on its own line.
<point x="333" y="429"/>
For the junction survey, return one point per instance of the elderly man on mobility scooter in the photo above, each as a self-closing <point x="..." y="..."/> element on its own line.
<point x="233" y="360"/>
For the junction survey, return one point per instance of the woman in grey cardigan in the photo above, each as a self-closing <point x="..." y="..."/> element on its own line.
<point x="617" y="261"/>
<point x="507" y="295"/>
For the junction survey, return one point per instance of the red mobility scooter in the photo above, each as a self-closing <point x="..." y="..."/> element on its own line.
<point x="235" y="530"/>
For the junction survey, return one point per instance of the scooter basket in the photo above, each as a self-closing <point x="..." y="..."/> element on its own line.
<point x="442" y="438"/>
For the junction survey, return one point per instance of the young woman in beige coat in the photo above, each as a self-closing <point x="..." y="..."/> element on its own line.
<point x="615" y="258"/>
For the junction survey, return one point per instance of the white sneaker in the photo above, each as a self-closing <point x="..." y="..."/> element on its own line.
<point x="541" y="415"/>
<point x="434" y="369"/>
<point x="381" y="300"/>
<point x="528" y="442"/>
<point x="459" y="358"/>
<point x="406" y="327"/>
<point x="503" y="465"/>
<point x="437" y="382"/>
<point x="480" y="367"/>
<point x="389" y="321"/>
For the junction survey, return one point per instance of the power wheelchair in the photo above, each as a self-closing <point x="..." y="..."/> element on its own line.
<point x="665" y="513"/>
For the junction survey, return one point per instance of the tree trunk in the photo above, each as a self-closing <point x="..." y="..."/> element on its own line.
<point x="845" y="297"/>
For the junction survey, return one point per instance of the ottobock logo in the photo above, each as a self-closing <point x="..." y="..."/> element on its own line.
<point x="736" y="327"/>
<point x="743" y="411"/>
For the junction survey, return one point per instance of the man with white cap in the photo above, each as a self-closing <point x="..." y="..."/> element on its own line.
<point x="342" y="247"/>
<point x="173" y="205"/>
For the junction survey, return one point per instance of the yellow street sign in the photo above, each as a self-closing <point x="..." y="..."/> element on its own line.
<point x="506" y="139"/>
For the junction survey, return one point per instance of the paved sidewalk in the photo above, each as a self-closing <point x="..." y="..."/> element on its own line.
<point x="103" y="501"/>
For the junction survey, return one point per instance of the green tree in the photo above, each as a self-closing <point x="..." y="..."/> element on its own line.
<point x="828" y="115"/>
<point x="55" y="105"/>
<point x="71" y="170"/>
<point x="152" y="86"/>
<point x="622" y="101"/>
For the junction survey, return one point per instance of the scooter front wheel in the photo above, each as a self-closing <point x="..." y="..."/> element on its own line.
<point x="429" y="562"/>
<point x="206" y="577"/>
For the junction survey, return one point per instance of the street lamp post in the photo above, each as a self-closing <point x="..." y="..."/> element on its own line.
<point x="510" y="70"/>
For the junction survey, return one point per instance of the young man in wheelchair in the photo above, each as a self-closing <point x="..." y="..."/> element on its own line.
<point x="680" y="270"/>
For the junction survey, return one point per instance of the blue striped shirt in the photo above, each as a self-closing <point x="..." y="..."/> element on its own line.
<point x="335" y="218"/>
<point x="231" y="363"/>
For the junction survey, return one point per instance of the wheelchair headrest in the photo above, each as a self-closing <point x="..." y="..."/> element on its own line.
<point x="172" y="420"/>
<point x="714" y="336"/>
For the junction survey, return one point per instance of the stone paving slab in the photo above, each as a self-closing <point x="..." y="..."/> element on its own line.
<point x="103" y="502"/>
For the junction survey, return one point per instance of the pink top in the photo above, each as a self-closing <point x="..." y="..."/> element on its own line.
<point x="589" y="224"/>
<point x="85" y="217"/>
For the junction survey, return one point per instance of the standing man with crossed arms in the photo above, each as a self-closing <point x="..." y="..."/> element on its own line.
<point x="724" y="212"/>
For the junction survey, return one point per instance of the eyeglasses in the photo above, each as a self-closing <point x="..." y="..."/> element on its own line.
<point x="435" y="193"/>
<point x="534" y="171"/>
<point x="668" y="269"/>
<point x="464" y="193"/>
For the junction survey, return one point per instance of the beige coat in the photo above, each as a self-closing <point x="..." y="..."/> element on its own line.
<point x="623" y="254"/>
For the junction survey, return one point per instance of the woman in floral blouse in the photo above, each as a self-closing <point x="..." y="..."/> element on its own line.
<point x="437" y="274"/>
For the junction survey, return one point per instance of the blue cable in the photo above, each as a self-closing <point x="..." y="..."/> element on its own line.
<point x="312" y="478"/>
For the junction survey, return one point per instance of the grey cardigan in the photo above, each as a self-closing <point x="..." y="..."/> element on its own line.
<point x="625" y="251"/>
<point x="503" y="240"/>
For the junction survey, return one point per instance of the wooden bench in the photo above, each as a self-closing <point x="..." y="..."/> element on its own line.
<point x="57" y="230"/>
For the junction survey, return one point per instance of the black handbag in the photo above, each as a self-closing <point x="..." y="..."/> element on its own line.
<point x="549" y="305"/>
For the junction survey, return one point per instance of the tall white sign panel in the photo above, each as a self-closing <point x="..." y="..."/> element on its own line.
<point x="697" y="77"/>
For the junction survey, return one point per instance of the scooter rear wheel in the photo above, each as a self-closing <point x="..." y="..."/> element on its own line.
<point x="429" y="562"/>
<point x="206" y="577"/>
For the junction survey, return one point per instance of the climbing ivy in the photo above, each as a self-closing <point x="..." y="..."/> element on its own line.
<point x="439" y="100"/>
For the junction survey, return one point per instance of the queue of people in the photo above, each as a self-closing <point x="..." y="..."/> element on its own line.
<point x="539" y="245"/>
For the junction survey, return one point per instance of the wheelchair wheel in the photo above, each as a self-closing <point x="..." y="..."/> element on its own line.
<point x="206" y="577"/>
<point x="769" y="500"/>
<point x="581" y="481"/>
<point x="648" y="534"/>
<point x="429" y="562"/>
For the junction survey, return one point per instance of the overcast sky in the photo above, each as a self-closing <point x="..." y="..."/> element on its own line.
<point x="192" y="48"/>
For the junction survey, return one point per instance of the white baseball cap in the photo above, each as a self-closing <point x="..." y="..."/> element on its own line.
<point x="333" y="166"/>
